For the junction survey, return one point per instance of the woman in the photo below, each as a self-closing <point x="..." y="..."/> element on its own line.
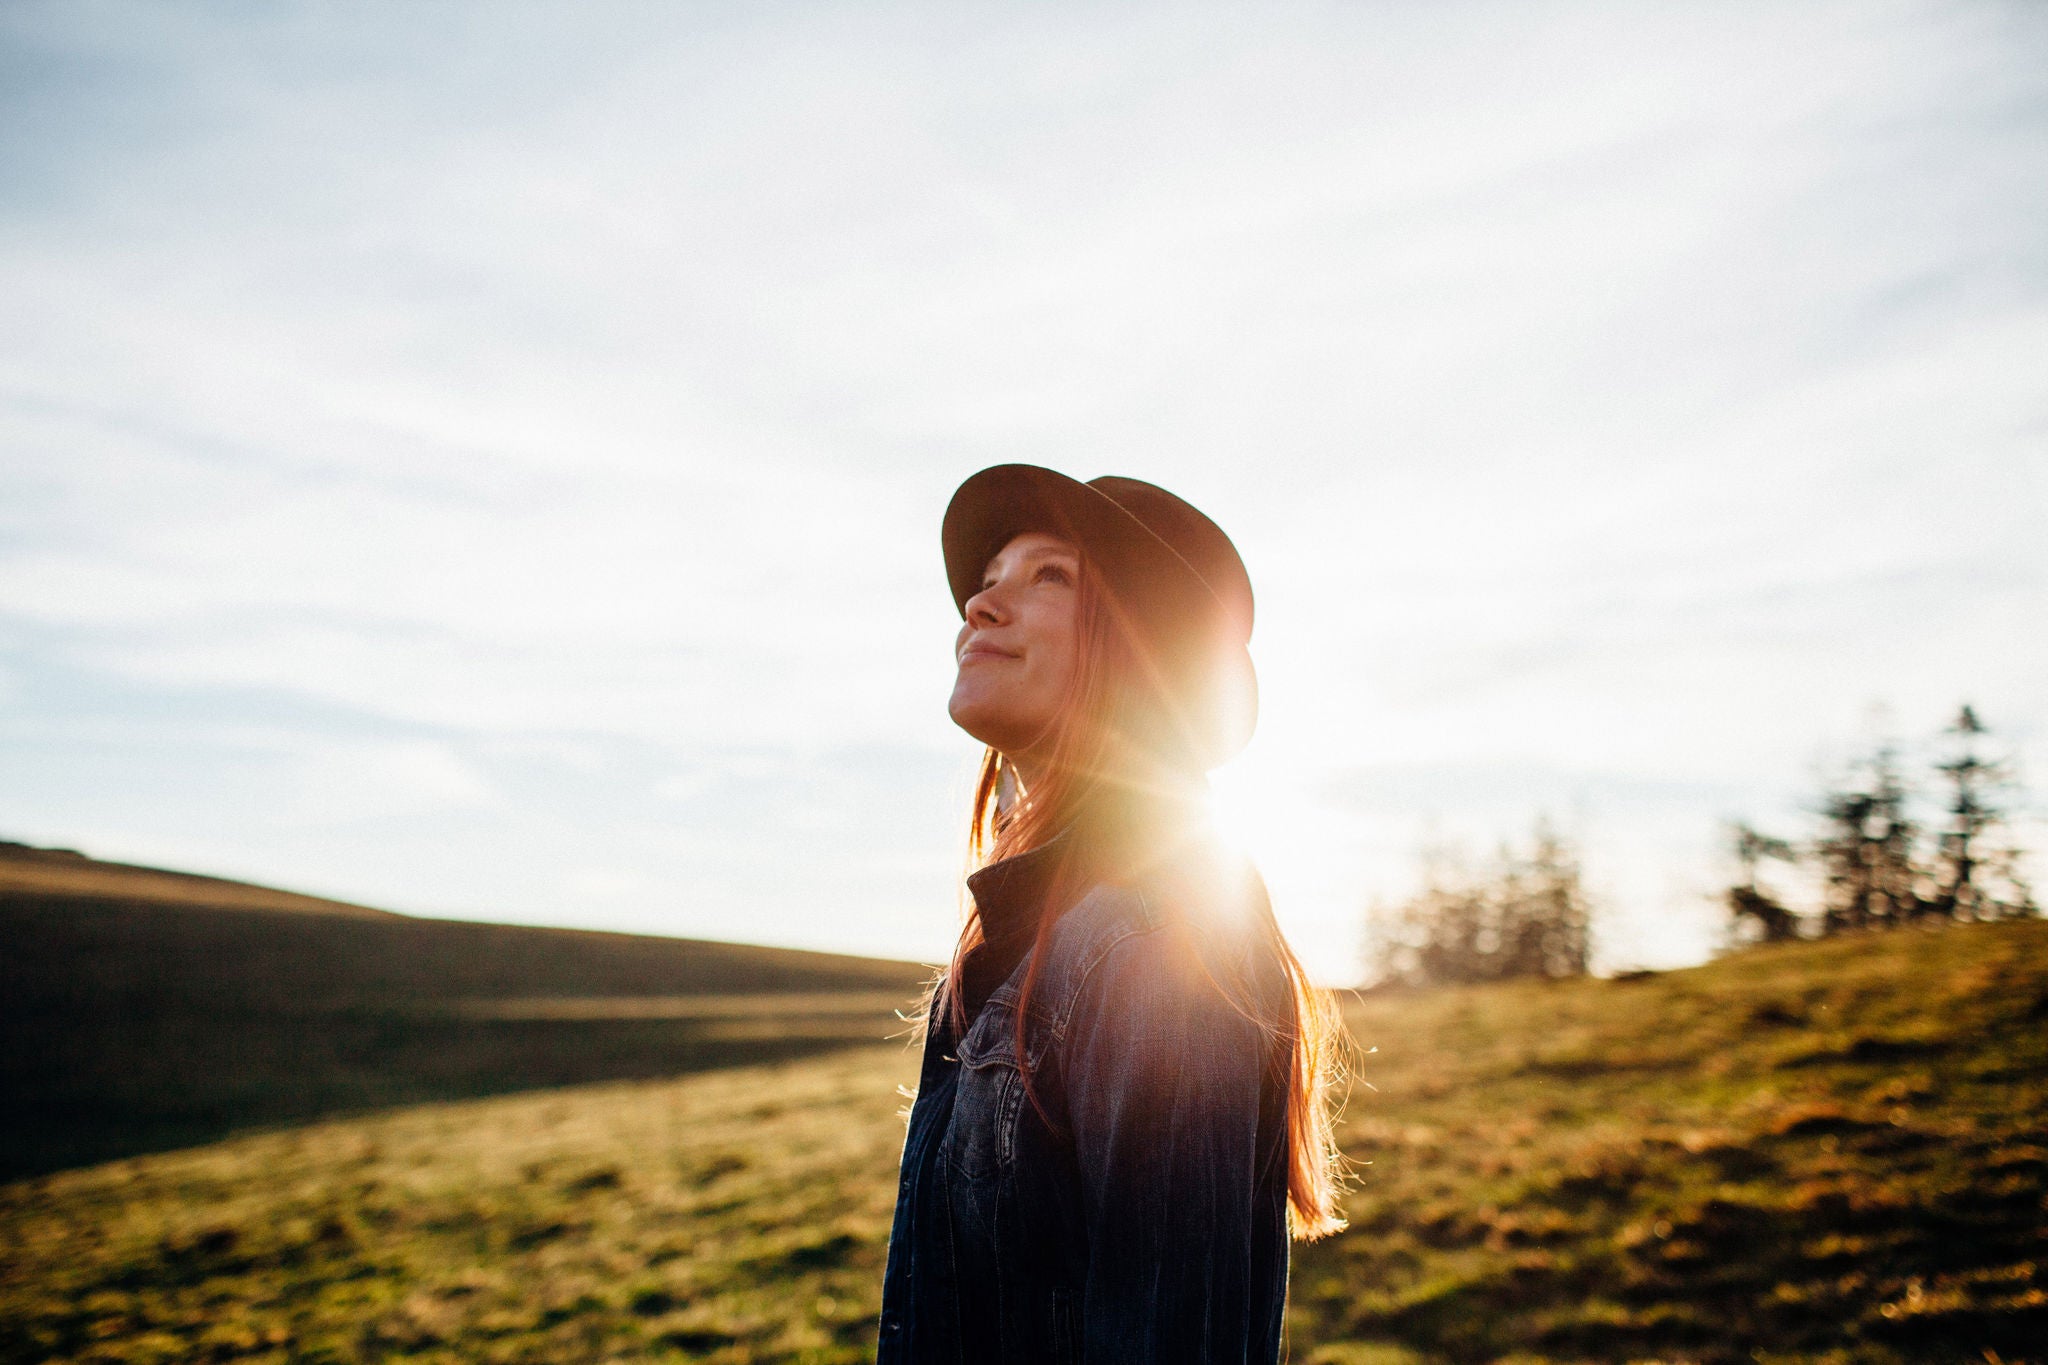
<point x="1121" y="1108"/>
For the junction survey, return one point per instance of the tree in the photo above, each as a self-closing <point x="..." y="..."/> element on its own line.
<point x="1869" y="874"/>
<point x="1523" y="915"/>
<point x="1873" y="859"/>
<point x="1444" y="933"/>
<point x="1546" y="921"/>
<point x="1976" y="875"/>
<point x="1756" y="914"/>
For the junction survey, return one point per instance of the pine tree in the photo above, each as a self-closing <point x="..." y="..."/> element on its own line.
<point x="1523" y="916"/>
<point x="1866" y="852"/>
<point x="1869" y="851"/>
<point x="1755" y="913"/>
<point x="1440" y="934"/>
<point x="1546" y="921"/>
<point x="1977" y="877"/>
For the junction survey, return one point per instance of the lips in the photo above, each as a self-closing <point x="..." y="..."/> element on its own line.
<point x="980" y="651"/>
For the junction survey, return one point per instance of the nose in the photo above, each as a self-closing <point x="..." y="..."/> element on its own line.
<point x="988" y="607"/>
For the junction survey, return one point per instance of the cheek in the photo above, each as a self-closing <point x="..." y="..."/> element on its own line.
<point x="1054" y="662"/>
<point x="1065" y="655"/>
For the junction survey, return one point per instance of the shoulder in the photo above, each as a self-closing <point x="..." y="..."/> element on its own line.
<point x="1109" y="921"/>
<point x="1173" y="1008"/>
<point x="1181" y="938"/>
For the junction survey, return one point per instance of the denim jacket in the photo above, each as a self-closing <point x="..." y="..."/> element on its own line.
<point x="1135" y="1214"/>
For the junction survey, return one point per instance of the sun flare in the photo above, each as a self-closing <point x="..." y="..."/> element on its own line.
<point x="1261" y="813"/>
<point x="1306" y="851"/>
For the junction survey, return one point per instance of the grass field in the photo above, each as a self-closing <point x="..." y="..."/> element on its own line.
<point x="1832" y="1151"/>
<point x="1829" y="1152"/>
<point x="142" y="1009"/>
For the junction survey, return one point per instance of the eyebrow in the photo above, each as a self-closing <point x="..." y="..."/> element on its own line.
<point x="1037" y="552"/>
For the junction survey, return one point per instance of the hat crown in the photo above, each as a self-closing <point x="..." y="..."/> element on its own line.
<point x="1199" y="542"/>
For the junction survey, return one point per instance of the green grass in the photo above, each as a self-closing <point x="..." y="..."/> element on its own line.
<point x="1820" y="1152"/>
<point x="736" y="1215"/>
<point x="1817" y="1151"/>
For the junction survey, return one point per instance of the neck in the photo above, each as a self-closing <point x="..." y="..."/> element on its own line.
<point x="1024" y="773"/>
<point x="1127" y="809"/>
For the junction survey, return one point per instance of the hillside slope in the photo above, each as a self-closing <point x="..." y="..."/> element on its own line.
<point x="1833" y="1152"/>
<point x="138" y="1024"/>
<point x="1809" y="1149"/>
<point x="29" y="871"/>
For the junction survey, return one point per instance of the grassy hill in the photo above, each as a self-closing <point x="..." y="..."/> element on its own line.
<point x="26" y="870"/>
<point x="1833" y="1151"/>
<point x="1828" y="1152"/>
<point x="142" y="1009"/>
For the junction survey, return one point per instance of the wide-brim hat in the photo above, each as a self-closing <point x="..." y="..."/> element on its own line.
<point x="1170" y="569"/>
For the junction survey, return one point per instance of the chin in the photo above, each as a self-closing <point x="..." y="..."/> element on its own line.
<point x="989" y="722"/>
<point x="970" y="718"/>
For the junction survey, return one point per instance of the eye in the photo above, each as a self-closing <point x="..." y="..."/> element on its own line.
<point x="1052" y="573"/>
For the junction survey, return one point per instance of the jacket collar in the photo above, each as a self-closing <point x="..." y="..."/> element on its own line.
<point x="1010" y="898"/>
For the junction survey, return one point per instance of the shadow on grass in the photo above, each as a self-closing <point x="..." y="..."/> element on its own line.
<point x="128" y="1028"/>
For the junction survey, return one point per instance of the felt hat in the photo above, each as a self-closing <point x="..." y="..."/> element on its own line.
<point x="1172" y="571"/>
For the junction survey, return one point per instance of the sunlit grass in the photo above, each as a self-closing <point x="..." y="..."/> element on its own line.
<point x="1833" y="1152"/>
<point x="738" y="1215"/>
<point x="1820" y="1151"/>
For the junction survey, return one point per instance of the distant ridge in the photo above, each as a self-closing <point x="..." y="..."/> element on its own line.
<point x="142" y="1008"/>
<point x="78" y="920"/>
<point x="28" y="870"/>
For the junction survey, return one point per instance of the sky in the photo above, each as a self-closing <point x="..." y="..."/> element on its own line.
<point x="486" y="459"/>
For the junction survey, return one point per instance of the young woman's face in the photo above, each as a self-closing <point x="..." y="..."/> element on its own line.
<point x="1019" y="645"/>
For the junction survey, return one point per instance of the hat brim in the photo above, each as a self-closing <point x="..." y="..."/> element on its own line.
<point x="1000" y="503"/>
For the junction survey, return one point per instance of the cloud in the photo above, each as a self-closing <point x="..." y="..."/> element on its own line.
<point x="390" y="780"/>
<point x="523" y="408"/>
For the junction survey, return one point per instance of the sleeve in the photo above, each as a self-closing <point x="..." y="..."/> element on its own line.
<point x="1163" y="1079"/>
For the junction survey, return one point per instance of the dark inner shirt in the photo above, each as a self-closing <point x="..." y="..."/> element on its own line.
<point x="1010" y="897"/>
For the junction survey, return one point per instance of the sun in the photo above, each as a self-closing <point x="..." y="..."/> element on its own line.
<point x="1306" y="851"/>
<point x="1257" y="810"/>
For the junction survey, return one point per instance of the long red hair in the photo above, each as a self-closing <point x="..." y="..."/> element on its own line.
<point x="1110" y="779"/>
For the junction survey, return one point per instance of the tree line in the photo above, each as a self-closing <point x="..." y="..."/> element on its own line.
<point x="1524" y="913"/>
<point x="1871" y="861"/>
<point x="1878" y="865"/>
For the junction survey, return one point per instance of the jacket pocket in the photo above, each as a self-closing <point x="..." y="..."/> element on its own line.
<point x="991" y="1039"/>
<point x="988" y="1103"/>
